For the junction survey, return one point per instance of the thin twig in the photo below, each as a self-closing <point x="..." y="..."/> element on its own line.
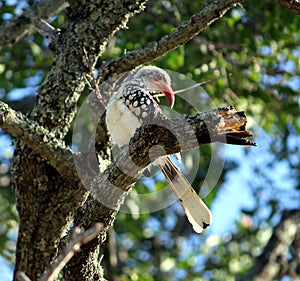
<point x="44" y="28"/>
<point x="197" y="85"/>
<point x="78" y="239"/>
<point x="22" y="276"/>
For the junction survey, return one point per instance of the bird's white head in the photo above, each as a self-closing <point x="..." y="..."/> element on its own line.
<point x="156" y="80"/>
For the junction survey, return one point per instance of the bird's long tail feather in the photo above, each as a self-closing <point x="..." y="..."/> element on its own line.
<point x="196" y="211"/>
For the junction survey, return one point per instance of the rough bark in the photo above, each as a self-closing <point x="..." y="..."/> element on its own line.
<point x="78" y="239"/>
<point x="40" y="140"/>
<point x="49" y="195"/>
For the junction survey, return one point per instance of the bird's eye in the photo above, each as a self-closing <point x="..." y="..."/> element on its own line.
<point x="159" y="77"/>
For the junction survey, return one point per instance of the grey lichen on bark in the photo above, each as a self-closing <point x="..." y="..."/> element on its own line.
<point x="39" y="139"/>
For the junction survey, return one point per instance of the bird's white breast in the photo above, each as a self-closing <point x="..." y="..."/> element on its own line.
<point x="121" y="122"/>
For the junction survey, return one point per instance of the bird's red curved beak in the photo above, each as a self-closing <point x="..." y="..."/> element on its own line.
<point x="170" y="96"/>
<point x="168" y="92"/>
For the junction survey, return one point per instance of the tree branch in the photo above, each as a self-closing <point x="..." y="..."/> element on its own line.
<point x="267" y="264"/>
<point x="39" y="139"/>
<point x="14" y="30"/>
<point x="293" y="5"/>
<point x="220" y="125"/>
<point x="163" y="137"/>
<point x="181" y="35"/>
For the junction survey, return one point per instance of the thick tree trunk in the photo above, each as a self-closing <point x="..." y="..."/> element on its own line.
<point x="46" y="201"/>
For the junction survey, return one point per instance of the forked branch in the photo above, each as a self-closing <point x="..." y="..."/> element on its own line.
<point x="167" y="136"/>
